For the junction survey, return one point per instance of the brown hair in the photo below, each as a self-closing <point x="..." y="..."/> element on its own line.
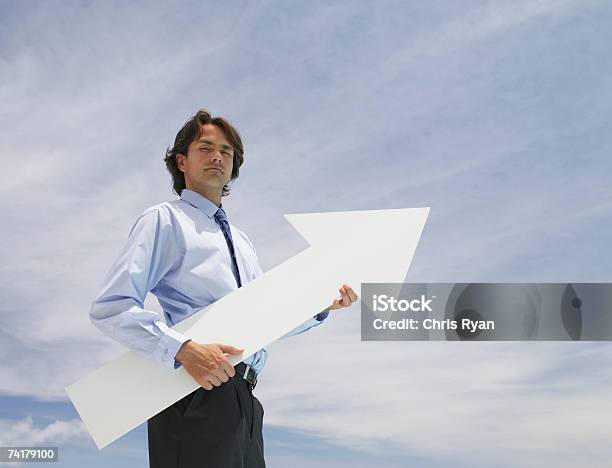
<point x="190" y="132"/>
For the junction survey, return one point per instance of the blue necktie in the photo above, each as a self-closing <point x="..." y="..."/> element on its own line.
<point x="221" y="219"/>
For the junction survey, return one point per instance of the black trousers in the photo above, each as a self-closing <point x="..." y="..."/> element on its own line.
<point x="218" y="428"/>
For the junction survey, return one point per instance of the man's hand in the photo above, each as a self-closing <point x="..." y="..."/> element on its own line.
<point x="207" y="363"/>
<point x="347" y="297"/>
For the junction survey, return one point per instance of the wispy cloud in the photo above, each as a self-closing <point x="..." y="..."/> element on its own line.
<point x="25" y="433"/>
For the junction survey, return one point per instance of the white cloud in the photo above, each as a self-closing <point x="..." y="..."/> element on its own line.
<point x="25" y="432"/>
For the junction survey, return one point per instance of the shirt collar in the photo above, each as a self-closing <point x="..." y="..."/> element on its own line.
<point x="200" y="202"/>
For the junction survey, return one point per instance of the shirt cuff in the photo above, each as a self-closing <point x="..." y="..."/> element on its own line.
<point x="168" y="346"/>
<point x="322" y="315"/>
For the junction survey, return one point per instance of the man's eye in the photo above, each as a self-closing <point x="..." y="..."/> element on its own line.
<point x="226" y="153"/>
<point x="205" y="149"/>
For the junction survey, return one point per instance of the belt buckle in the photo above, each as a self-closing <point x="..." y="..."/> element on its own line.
<point x="251" y="378"/>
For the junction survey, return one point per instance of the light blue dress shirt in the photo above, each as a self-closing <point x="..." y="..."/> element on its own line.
<point x="176" y="251"/>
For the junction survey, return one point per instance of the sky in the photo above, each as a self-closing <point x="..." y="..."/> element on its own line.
<point x="494" y="114"/>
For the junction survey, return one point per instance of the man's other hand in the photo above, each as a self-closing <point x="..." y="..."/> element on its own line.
<point x="347" y="297"/>
<point x="207" y="363"/>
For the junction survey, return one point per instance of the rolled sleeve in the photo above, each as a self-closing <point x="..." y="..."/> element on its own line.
<point x="321" y="316"/>
<point x="307" y="325"/>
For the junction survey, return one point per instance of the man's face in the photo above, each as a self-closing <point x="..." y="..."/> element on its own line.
<point x="209" y="162"/>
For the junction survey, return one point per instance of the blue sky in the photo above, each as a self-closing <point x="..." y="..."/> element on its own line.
<point x="494" y="114"/>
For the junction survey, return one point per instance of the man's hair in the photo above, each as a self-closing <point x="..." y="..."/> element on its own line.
<point x="189" y="133"/>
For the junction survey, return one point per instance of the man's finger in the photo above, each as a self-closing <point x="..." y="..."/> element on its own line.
<point x="213" y="379"/>
<point x="221" y="374"/>
<point x="350" y="292"/>
<point x="206" y="384"/>
<point x="230" y="349"/>
<point x="228" y="368"/>
<point x="345" y="299"/>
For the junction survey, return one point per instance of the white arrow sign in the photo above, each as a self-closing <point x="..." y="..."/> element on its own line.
<point x="351" y="247"/>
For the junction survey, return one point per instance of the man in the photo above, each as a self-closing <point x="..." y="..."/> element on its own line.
<point x="187" y="254"/>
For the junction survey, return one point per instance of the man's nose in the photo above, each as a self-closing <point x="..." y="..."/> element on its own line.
<point x="217" y="156"/>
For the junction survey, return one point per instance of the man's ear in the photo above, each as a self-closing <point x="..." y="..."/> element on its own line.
<point x="180" y="161"/>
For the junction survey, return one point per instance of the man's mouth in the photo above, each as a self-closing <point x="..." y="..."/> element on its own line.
<point x="215" y="169"/>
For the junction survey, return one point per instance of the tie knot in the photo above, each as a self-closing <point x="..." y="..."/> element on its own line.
<point x="220" y="215"/>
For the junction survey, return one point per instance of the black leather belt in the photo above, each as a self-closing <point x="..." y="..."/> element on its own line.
<point x="247" y="373"/>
